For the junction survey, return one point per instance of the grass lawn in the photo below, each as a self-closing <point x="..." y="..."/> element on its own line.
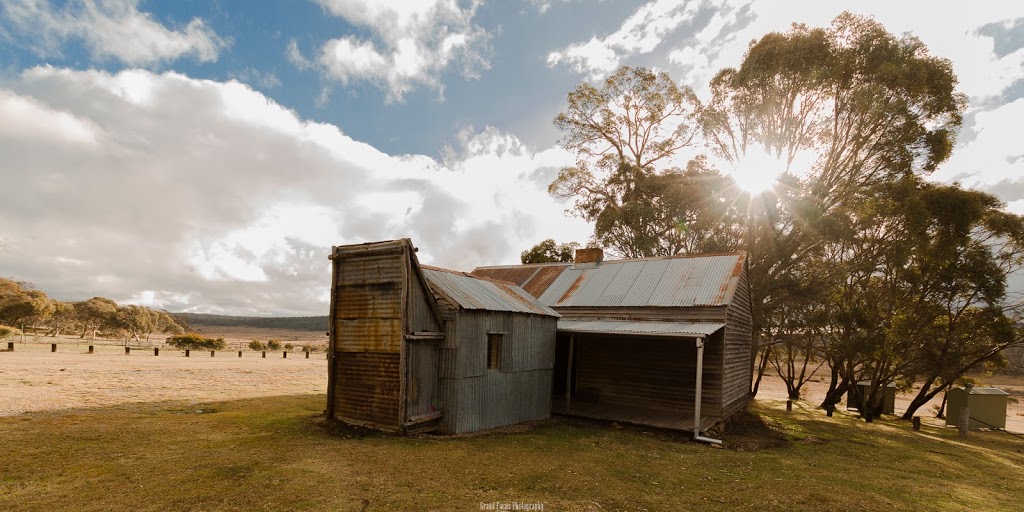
<point x="278" y="454"/>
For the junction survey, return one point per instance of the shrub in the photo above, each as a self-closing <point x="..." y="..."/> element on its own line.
<point x="257" y="345"/>
<point x="274" y="345"/>
<point x="288" y="346"/>
<point x="6" y="330"/>
<point x="195" y="341"/>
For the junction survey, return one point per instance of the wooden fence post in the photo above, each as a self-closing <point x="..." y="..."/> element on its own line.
<point x="307" y="354"/>
<point x="239" y="353"/>
<point x="156" y="351"/>
<point x="789" y="405"/>
<point x="211" y="353"/>
<point x="53" y="347"/>
<point x="264" y="354"/>
<point x="186" y="352"/>
<point x="286" y="354"/>
<point x="965" y="420"/>
<point x="90" y="349"/>
<point x="917" y="423"/>
<point x="127" y="350"/>
<point x="10" y="346"/>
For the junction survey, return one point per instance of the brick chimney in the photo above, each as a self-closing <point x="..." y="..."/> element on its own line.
<point x="593" y="255"/>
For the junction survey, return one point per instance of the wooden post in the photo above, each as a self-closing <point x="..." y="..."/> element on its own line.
<point x="127" y="350"/>
<point x="917" y="423"/>
<point x="90" y="349"/>
<point x="965" y="420"/>
<point x="789" y="405"/>
<point x="53" y="347"/>
<point x="568" y="373"/>
<point x="10" y="346"/>
<point x="307" y="354"/>
<point x="264" y="354"/>
<point x="212" y="353"/>
<point x="829" y="410"/>
<point x="186" y="352"/>
<point x="156" y="351"/>
<point x="239" y="353"/>
<point x="286" y="354"/>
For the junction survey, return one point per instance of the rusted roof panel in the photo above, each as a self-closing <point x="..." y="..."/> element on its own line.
<point x="638" y="328"/>
<point x="471" y="292"/>
<point x="674" y="281"/>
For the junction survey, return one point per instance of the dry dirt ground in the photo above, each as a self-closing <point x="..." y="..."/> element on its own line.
<point x="34" y="379"/>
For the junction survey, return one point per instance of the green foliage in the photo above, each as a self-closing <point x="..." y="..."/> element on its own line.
<point x="274" y="345"/>
<point x="626" y="135"/>
<point x="548" y="251"/>
<point x="257" y="345"/>
<point x="196" y="341"/>
<point x="288" y="346"/>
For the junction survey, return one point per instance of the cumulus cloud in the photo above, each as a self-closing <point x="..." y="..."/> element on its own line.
<point x="410" y="44"/>
<point x="207" y="196"/>
<point x="109" y="29"/>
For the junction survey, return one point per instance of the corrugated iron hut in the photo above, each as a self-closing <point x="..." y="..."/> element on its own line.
<point x="497" y="358"/>
<point x="416" y="349"/>
<point x="639" y="340"/>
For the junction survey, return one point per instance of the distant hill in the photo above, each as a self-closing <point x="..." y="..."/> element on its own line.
<point x="296" y="323"/>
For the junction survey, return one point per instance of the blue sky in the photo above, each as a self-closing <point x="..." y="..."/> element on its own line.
<point x="204" y="155"/>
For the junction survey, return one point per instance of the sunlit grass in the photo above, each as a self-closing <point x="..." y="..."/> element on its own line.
<point x="277" y="454"/>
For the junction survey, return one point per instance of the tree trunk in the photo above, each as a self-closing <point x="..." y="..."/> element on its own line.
<point x="942" y="408"/>
<point x="836" y="388"/>
<point x="762" y="366"/>
<point x="923" y="396"/>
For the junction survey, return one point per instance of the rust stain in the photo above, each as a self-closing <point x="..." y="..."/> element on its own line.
<point x="543" y="279"/>
<point x="572" y="288"/>
<point x="529" y="305"/>
<point x="723" y="290"/>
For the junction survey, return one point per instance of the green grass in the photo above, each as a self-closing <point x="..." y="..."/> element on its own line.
<point x="278" y="454"/>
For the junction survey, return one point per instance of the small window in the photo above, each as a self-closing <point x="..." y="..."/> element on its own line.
<point x="493" y="351"/>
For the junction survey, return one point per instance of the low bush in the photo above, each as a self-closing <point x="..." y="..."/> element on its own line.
<point x="195" y="341"/>
<point x="257" y="345"/>
<point x="274" y="345"/>
<point x="6" y="330"/>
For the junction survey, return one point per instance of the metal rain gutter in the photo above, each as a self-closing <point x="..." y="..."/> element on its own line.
<point x="697" y="396"/>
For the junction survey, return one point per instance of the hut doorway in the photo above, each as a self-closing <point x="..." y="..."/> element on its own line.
<point x="421" y="382"/>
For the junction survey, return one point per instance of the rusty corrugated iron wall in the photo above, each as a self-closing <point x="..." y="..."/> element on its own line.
<point x="369" y="287"/>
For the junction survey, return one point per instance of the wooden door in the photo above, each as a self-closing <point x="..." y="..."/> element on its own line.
<point x="421" y="400"/>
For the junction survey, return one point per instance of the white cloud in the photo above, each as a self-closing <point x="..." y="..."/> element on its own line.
<point x="109" y="29"/>
<point x="639" y="34"/>
<point x="412" y="43"/>
<point x="994" y="155"/>
<point x="253" y="76"/>
<point x="207" y="196"/>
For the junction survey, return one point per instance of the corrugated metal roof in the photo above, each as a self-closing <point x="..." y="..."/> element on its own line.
<point x="699" y="280"/>
<point x="471" y="292"/>
<point x="639" y="328"/>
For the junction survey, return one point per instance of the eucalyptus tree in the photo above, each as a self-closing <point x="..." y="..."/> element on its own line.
<point x="628" y="136"/>
<point x="839" y="110"/>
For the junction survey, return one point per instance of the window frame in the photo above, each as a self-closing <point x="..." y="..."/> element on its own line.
<point x="494" y="343"/>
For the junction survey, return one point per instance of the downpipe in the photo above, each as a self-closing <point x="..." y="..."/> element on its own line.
<point x="697" y="396"/>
